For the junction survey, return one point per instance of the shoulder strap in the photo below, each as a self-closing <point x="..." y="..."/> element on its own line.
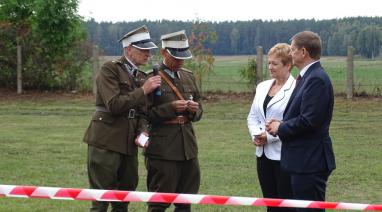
<point x="168" y="81"/>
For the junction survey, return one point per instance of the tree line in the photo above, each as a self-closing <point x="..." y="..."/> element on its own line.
<point x="46" y="45"/>
<point x="242" y="37"/>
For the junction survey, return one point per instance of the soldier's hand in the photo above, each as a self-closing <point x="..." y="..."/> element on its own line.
<point x="179" y="105"/>
<point x="192" y="106"/>
<point x="151" y="83"/>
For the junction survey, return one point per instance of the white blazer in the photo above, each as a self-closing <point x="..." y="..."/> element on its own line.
<point x="256" y="119"/>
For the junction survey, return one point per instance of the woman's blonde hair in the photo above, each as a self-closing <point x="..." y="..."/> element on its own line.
<point x="281" y="50"/>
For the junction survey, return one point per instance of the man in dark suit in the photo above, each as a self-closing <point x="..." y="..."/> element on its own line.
<point x="307" y="152"/>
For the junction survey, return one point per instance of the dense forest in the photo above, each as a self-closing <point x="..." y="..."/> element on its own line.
<point x="242" y="37"/>
<point x="46" y="45"/>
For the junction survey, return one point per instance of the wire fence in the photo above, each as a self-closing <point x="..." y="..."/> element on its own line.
<point x="366" y="75"/>
<point x="225" y="77"/>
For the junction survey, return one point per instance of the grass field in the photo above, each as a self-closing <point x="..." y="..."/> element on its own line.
<point x="226" y="74"/>
<point x="40" y="144"/>
<point x="367" y="74"/>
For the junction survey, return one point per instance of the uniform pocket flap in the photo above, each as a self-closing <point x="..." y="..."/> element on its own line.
<point x="189" y="89"/>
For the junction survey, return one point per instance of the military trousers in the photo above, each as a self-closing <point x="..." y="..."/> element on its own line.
<point x="111" y="171"/>
<point x="172" y="177"/>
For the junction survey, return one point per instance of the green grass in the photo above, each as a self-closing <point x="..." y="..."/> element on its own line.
<point x="40" y="144"/>
<point x="226" y="74"/>
<point x="367" y="74"/>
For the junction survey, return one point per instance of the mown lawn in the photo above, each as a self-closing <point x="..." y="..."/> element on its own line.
<point x="40" y="144"/>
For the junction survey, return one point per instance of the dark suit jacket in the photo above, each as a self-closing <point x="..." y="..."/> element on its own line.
<point x="304" y="132"/>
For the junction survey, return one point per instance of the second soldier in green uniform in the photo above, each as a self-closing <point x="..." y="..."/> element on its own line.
<point x="171" y="155"/>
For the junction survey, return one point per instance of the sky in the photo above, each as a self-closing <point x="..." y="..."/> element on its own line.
<point x="226" y="10"/>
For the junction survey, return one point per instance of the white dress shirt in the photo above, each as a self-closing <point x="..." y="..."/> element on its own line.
<point x="302" y="72"/>
<point x="256" y="119"/>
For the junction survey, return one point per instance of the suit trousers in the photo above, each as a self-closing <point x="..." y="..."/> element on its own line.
<point x="274" y="182"/>
<point x="111" y="171"/>
<point x="172" y="177"/>
<point x="309" y="187"/>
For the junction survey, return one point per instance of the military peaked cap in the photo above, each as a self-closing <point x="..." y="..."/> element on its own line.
<point x="176" y="44"/>
<point x="139" y="38"/>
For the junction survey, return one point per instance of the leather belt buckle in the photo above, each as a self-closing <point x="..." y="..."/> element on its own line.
<point x="131" y="114"/>
<point x="180" y="119"/>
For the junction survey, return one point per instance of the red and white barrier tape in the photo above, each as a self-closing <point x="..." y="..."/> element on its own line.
<point x="136" y="196"/>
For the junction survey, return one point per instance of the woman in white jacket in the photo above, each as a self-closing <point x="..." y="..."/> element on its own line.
<point x="270" y="101"/>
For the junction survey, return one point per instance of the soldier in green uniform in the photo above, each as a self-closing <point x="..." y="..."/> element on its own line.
<point x="117" y="121"/>
<point x="171" y="154"/>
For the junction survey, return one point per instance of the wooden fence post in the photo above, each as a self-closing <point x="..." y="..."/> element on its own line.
<point x="349" y="77"/>
<point x="19" y="72"/>
<point x="95" y="67"/>
<point x="259" y="65"/>
<point x="265" y="73"/>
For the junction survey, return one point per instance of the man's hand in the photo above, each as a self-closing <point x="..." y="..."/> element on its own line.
<point x="272" y="126"/>
<point x="192" y="106"/>
<point x="150" y="84"/>
<point x="179" y="105"/>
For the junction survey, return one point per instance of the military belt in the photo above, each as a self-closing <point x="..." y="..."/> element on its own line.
<point x="101" y="109"/>
<point x="131" y="114"/>
<point x="178" y="120"/>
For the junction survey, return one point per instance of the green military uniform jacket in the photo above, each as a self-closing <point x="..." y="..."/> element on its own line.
<point x="119" y="107"/>
<point x="173" y="141"/>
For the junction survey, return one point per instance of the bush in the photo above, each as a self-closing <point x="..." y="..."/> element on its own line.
<point x="249" y="72"/>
